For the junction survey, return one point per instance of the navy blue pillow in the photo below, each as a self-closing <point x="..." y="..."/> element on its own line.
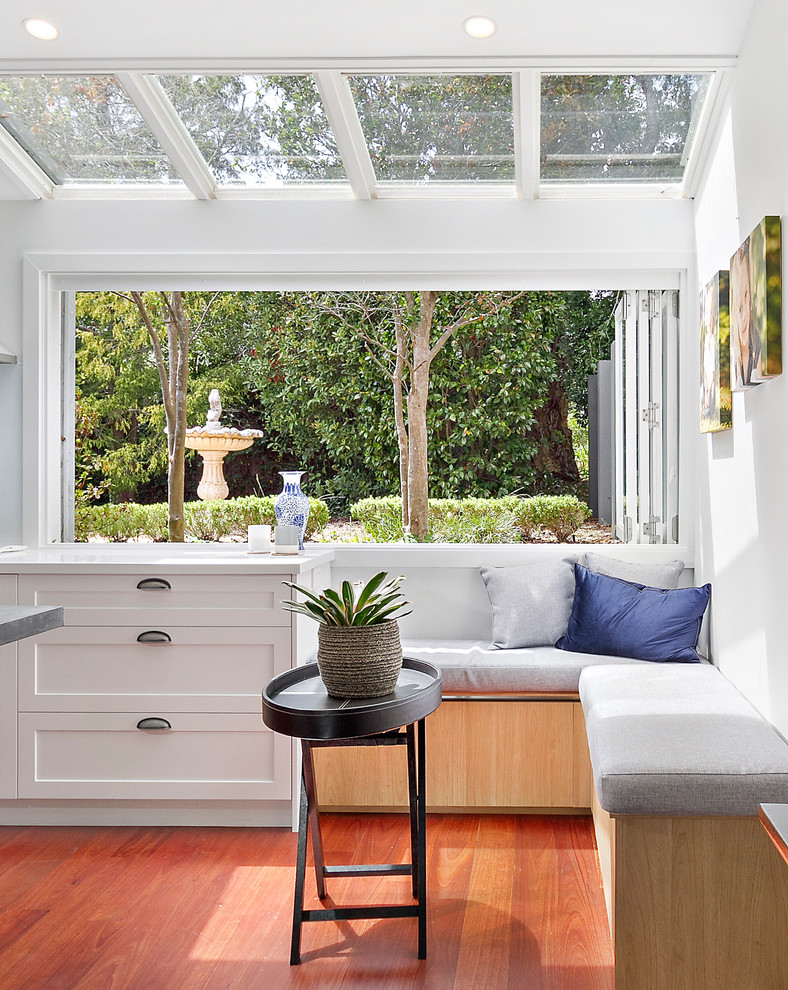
<point x="621" y="619"/>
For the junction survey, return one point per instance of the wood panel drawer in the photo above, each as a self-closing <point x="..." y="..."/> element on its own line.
<point x="205" y="756"/>
<point x="203" y="669"/>
<point x="179" y="599"/>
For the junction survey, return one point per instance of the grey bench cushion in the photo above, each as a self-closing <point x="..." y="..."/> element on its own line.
<point x="476" y="667"/>
<point x="679" y="740"/>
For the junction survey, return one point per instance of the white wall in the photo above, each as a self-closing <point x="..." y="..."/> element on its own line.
<point x="743" y="473"/>
<point x="308" y="243"/>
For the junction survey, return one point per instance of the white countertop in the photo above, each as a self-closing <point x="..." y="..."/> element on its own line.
<point x="174" y="558"/>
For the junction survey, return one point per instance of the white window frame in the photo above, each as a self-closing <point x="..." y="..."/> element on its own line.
<point x="47" y="276"/>
<point x="331" y="77"/>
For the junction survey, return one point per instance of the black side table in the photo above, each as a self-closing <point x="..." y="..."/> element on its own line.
<point x="296" y="703"/>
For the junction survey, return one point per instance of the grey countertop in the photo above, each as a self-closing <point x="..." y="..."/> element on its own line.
<point x="20" y="621"/>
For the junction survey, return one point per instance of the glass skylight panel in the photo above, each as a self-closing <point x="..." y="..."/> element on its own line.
<point x="82" y="129"/>
<point x="258" y="130"/>
<point x="438" y="128"/>
<point x="615" y="129"/>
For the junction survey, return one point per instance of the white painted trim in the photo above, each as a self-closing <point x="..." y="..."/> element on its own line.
<point x="557" y="64"/>
<point x="133" y="191"/>
<point x="19" y="167"/>
<point x="526" y="95"/>
<point x="46" y="275"/>
<point x="147" y="94"/>
<point x="388" y="555"/>
<point x="340" y="109"/>
<point x="709" y="129"/>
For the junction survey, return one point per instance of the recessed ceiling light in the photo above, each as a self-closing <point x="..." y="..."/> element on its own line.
<point x="43" y="30"/>
<point x="479" y="26"/>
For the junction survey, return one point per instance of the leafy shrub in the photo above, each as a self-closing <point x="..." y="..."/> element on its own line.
<point x="510" y="519"/>
<point x="559" y="514"/>
<point x="204" y="521"/>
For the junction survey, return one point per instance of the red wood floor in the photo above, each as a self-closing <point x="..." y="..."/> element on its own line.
<point x="514" y="901"/>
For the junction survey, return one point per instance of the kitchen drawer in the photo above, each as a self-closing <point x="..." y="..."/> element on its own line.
<point x="203" y="756"/>
<point x="187" y="599"/>
<point x="202" y="669"/>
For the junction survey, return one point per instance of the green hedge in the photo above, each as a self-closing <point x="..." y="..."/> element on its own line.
<point x="208" y="521"/>
<point x="510" y="519"/>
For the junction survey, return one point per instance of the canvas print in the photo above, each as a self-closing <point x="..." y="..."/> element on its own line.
<point x="715" y="368"/>
<point x="756" y="307"/>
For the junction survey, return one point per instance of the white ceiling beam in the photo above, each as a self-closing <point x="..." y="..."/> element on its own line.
<point x="31" y="180"/>
<point x="148" y="95"/>
<point x="425" y="65"/>
<point x="340" y="109"/>
<point x="526" y="96"/>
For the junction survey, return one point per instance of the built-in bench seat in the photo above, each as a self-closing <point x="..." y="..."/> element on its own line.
<point x="679" y="739"/>
<point x="697" y="896"/>
<point x="679" y="761"/>
<point x="476" y="667"/>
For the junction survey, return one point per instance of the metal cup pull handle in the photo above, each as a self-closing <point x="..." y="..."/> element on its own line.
<point x="153" y="723"/>
<point x="154" y="636"/>
<point x="154" y="584"/>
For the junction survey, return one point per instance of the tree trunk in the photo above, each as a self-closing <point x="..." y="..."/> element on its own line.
<point x="179" y="333"/>
<point x="555" y="455"/>
<point x="418" y="483"/>
<point x="398" y="378"/>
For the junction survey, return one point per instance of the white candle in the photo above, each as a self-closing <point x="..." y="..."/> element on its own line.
<point x="259" y="539"/>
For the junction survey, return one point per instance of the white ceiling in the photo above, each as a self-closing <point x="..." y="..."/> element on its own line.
<point x="98" y="32"/>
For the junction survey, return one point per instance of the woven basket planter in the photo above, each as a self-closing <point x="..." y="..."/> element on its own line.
<point x="359" y="661"/>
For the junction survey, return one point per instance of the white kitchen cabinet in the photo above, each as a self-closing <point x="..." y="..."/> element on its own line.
<point x="151" y="691"/>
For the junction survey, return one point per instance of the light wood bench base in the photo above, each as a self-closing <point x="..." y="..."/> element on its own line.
<point x="481" y="755"/>
<point x="695" y="903"/>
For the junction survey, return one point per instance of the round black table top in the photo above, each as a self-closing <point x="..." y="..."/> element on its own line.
<point x="296" y="703"/>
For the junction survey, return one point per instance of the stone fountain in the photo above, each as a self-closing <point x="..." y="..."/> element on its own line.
<point x="213" y="442"/>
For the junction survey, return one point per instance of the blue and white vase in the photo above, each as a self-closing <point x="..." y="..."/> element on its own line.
<point x="291" y="505"/>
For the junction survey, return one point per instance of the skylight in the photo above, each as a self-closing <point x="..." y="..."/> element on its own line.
<point x="258" y="130"/>
<point x="368" y="135"/>
<point x="82" y="129"/>
<point x="437" y="128"/>
<point x="609" y="129"/>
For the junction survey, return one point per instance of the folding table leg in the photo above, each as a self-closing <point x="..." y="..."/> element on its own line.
<point x="413" y="805"/>
<point x="298" y="895"/>
<point x="314" y="818"/>
<point x="422" y="841"/>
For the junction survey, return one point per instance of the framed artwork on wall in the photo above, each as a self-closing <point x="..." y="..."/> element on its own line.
<point x="715" y="352"/>
<point x="756" y="307"/>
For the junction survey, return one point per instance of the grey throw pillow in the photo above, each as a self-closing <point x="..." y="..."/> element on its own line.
<point x="664" y="576"/>
<point x="531" y="605"/>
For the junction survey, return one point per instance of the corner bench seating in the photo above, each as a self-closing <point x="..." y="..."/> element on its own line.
<point x="671" y="760"/>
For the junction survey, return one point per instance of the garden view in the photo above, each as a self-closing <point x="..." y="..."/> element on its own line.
<point x="447" y="416"/>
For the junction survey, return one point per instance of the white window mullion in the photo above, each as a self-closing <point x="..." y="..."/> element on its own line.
<point x="657" y="418"/>
<point x="348" y="133"/>
<point x="148" y="95"/>
<point x="631" y="417"/>
<point x="618" y="423"/>
<point x="526" y="94"/>
<point x="670" y="397"/>
<point x="644" y="516"/>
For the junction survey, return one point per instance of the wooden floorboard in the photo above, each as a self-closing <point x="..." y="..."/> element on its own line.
<point x="514" y="901"/>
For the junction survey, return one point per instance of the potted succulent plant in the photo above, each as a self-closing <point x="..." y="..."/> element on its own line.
<point x="359" y="654"/>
